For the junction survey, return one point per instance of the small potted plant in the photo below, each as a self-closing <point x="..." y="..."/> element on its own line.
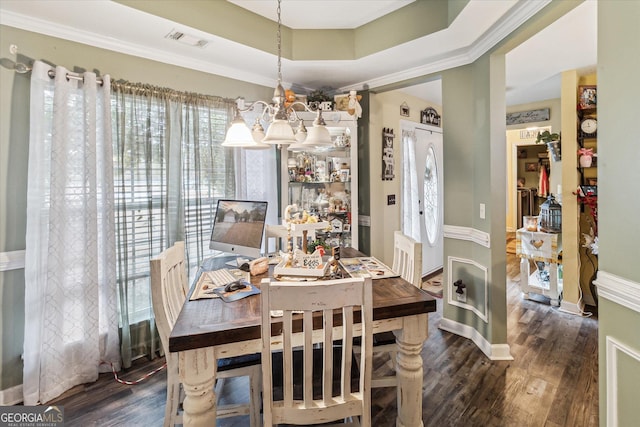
<point x="553" y="143"/>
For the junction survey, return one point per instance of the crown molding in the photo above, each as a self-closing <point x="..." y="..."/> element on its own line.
<point x="515" y="17"/>
<point x="85" y="37"/>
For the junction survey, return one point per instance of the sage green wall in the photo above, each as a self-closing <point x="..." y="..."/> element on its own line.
<point x="475" y="168"/>
<point x="14" y="145"/>
<point x="618" y="202"/>
<point x="475" y="173"/>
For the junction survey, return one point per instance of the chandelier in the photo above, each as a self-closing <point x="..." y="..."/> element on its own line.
<point x="280" y="116"/>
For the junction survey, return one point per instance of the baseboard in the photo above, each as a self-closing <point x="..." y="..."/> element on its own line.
<point x="11" y="396"/>
<point x="492" y="351"/>
<point x="572" y="308"/>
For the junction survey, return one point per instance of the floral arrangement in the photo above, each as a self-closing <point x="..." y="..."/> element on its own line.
<point x="591" y="241"/>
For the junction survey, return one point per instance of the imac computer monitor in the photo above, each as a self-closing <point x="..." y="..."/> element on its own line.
<point x="238" y="227"/>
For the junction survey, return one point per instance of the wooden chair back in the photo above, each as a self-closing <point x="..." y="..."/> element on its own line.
<point x="331" y="306"/>
<point x="407" y="258"/>
<point x="168" y="293"/>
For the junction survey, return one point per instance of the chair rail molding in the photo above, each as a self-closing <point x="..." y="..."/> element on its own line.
<point x="450" y="300"/>
<point x="11" y="260"/>
<point x="613" y="349"/>
<point x="467" y="233"/>
<point x="619" y="290"/>
<point x="11" y="396"/>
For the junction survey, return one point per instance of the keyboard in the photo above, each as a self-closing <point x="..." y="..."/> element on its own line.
<point x="221" y="277"/>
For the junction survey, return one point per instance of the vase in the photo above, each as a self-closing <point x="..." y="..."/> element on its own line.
<point x="585" y="161"/>
<point x="554" y="150"/>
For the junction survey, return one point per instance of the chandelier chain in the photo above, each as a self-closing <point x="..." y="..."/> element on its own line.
<point x="279" y="38"/>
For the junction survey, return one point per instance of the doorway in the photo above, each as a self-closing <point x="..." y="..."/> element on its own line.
<point x="427" y="147"/>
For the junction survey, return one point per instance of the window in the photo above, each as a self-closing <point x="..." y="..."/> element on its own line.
<point x="169" y="168"/>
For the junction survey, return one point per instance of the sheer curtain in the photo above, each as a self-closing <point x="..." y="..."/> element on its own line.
<point x="257" y="173"/>
<point x="71" y="322"/>
<point x="410" y="190"/>
<point x="169" y="170"/>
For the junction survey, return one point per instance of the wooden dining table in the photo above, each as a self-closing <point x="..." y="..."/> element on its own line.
<point x="210" y="329"/>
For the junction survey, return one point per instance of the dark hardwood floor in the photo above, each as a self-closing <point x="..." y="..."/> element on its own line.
<point x="552" y="381"/>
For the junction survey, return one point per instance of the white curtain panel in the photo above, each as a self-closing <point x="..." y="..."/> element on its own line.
<point x="410" y="190"/>
<point x="71" y="321"/>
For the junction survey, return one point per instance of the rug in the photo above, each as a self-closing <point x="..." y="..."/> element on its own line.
<point x="433" y="286"/>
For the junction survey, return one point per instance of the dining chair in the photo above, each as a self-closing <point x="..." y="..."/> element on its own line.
<point x="407" y="262"/>
<point x="320" y="386"/>
<point x="407" y="258"/>
<point x="169" y="290"/>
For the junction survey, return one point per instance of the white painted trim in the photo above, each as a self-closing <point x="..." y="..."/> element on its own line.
<point x="11" y="260"/>
<point x="467" y="233"/>
<point x="52" y="29"/>
<point x="516" y="17"/>
<point x="619" y="290"/>
<point x="492" y="351"/>
<point x="452" y="301"/>
<point x="513" y="19"/>
<point x="614" y="346"/>
<point x="11" y="396"/>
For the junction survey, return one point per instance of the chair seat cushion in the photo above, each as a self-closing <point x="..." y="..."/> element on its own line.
<point x="277" y="376"/>
<point x="229" y="363"/>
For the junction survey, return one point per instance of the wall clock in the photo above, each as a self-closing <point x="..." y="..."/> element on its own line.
<point x="589" y="125"/>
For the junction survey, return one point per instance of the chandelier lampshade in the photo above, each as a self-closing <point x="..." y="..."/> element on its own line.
<point x="279" y="117"/>
<point x="240" y="136"/>
<point x="279" y="132"/>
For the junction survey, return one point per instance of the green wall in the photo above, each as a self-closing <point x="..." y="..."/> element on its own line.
<point x="619" y="205"/>
<point x="14" y="146"/>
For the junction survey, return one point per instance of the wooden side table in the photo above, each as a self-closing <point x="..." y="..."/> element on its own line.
<point x="544" y="249"/>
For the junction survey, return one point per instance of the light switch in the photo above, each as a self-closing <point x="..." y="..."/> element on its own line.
<point x="482" y="213"/>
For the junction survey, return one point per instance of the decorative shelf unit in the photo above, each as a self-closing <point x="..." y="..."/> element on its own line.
<point x="545" y="250"/>
<point x="325" y="183"/>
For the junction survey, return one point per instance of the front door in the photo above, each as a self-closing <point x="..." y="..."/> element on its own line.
<point x="429" y="167"/>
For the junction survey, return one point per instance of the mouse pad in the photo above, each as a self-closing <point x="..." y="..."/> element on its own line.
<point x="239" y="294"/>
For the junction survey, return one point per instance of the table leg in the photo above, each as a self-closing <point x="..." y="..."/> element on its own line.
<point x="553" y="284"/>
<point x="524" y="277"/>
<point x="198" y="374"/>
<point x="409" y="373"/>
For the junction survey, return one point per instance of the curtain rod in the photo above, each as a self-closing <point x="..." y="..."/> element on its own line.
<point x="21" y="68"/>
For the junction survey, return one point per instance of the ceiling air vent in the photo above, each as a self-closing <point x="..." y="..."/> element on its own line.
<point x="186" y="39"/>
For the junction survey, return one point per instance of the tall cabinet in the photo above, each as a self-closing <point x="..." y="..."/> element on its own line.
<point x="325" y="183"/>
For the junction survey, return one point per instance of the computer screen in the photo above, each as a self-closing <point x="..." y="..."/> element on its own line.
<point x="238" y="227"/>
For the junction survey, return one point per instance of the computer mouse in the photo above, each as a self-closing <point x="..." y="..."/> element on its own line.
<point x="234" y="286"/>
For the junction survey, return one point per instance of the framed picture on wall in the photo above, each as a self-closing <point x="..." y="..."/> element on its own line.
<point x="587" y="97"/>
<point x="531" y="167"/>
<point x="522" y="153"/>
<point x="404" y="110"/>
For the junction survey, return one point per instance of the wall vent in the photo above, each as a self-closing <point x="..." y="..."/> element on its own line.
<point x="186" y="39"/>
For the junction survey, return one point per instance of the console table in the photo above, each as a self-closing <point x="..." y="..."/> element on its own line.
<point x="545" y="250"/>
